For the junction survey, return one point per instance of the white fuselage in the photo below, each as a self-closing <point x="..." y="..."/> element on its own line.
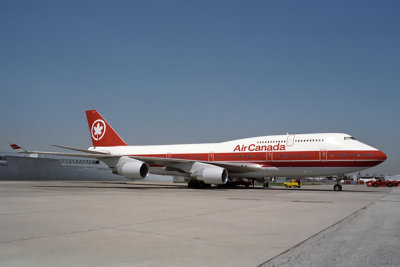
<point x="279" y="155"/>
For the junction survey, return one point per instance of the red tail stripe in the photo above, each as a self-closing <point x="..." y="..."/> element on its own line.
<point x="101" y="133"/>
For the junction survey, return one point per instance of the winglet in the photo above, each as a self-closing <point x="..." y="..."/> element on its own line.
<point x="101" y="132"/>
<point x="18" y="149"/>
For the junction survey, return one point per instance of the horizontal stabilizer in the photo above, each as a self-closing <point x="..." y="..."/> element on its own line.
<point x="87" y="154"/>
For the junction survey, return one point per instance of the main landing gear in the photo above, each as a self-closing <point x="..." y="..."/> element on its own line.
<point x="198" y="184"/>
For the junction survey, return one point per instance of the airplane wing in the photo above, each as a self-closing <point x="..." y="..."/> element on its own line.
<point x="170" y="162"/>
<point x="83" y="150"/>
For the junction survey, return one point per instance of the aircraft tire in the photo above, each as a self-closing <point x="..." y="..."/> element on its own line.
<point x="193" y="184"/>
<point x="198" y="184"/>
<point x="208" y="185"/>
<point x="337" y="187"/>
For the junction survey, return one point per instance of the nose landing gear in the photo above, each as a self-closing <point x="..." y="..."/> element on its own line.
<point x="337" y="186"/>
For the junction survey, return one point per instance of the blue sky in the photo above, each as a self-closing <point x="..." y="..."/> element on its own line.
<point x="164" y="72"/>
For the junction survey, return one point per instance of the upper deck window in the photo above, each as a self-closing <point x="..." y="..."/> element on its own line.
<point x="349" y="138"/>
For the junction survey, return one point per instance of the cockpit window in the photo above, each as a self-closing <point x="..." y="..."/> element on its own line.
<point x="349" y="138"/>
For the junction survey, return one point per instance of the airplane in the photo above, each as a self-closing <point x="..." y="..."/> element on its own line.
<point x="203" y="165"/>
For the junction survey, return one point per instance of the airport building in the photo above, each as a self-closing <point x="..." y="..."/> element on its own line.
<point x="38" y="167"/>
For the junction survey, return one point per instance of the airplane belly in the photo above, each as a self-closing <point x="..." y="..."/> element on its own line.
<point x="164" y="171"/>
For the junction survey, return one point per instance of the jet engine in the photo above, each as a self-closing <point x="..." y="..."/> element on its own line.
<point x="212" y="175"/>
<point x="132" y="168"/>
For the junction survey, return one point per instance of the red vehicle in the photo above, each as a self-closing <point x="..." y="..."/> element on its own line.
<point x="379" y="182"/>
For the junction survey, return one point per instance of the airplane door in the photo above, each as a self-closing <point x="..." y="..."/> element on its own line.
<point x="269" y="156"/>
<point x="290" y="140"/>
<point x="323" y="154"/>
<point x="211" y="156"/>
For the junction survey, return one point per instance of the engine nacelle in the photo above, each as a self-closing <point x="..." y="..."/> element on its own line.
<point x="212" y="175"/>
<point x="132" y="168"/>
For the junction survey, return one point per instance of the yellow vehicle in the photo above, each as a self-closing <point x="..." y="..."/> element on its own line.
<point x="293" y="183"/>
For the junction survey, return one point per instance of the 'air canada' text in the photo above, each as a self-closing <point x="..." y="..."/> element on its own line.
<point x="253" y="147"/>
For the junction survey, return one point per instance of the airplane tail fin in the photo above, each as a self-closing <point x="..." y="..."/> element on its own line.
<point x="101" y="132"/>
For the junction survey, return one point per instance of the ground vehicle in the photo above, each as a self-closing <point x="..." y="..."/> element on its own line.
<point x="293" y="183"/>
<point x="380" y="182"/>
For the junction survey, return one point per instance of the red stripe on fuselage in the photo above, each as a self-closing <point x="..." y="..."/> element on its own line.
<point x="321" y="158"/>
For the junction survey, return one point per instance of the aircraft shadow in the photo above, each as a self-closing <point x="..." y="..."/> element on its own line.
<point x="322" y="190"/>
<point x="151" y="186"/>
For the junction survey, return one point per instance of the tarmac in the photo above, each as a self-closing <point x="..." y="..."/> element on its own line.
<point x="65" y="223"/>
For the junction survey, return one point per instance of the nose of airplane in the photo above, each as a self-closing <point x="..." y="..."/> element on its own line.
<point x="382" y="156"/>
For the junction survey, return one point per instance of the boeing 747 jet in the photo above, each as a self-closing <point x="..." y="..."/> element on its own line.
<point x="201" y="165"/>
